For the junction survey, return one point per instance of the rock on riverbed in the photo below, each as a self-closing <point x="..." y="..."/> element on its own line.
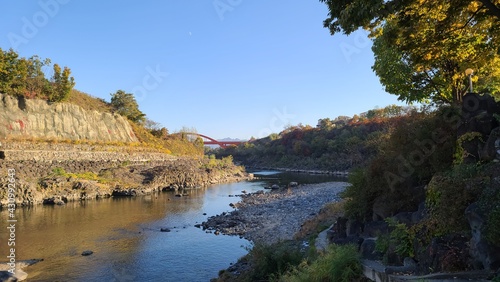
<point x="277" y="215"/>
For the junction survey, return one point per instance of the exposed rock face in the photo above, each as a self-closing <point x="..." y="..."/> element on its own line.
<point x="36" y="182"/>
<point x="478" y="115"/>
<point x="484" y="255"/>
<point x="38" y="118"/>
<point x="449" y="253"/>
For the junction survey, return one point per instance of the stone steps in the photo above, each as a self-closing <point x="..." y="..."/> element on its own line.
<point x="376" y="271"/>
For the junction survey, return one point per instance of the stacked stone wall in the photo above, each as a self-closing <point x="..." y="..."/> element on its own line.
<point x="49" y="152"/>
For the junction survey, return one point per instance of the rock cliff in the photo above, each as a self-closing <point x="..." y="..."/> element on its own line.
<point x="20" y="117"/>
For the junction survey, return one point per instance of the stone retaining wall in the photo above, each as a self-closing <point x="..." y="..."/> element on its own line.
<point x="49" y="152"/>
<point x="50" y="156"/>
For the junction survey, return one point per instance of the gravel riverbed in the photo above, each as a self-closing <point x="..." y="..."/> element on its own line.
<point x="268" y="217"/>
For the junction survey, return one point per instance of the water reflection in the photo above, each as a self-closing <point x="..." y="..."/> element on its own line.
<point x="125" y="236"/>
<point x="126" y="239"/>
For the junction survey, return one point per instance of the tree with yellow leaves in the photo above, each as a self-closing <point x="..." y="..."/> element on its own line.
<point x="422" y="48"/>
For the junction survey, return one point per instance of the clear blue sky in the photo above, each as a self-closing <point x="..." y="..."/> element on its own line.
<point x="229" y="68"/>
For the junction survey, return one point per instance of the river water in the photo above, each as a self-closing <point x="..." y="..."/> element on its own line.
<point x="125" y="236"/>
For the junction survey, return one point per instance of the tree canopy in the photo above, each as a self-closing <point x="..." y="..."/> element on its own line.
<point x="126" y="105"/>
<point x="25" y="77"/>
<point x="422" y="48"/>
<point x="348" y="16"/>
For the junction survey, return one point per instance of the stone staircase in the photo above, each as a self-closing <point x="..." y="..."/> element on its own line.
<point x="376" y="271"/>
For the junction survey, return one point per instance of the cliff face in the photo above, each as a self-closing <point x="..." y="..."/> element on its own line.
<point x="38" y="118"/>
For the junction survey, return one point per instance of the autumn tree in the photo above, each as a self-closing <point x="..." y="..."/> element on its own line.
<point x="155" y="128"/>
<point x="12" y="73"/>
<point x="422" y="61"/>
<point x="62" y="83"/>
<point x="348" y="16"/>
<point x="422" y="48"/>
<point x="35" y="83"/>
<point x="126" y="105"/>
<point x="25" y="77"/>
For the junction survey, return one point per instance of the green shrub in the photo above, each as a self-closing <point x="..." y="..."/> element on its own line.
<point x="449" y="194"/>
<point x="59" y="171"/>
<point x="402" y="238"/>
<point x="339" y="264"/>
<point x="88" y="175"/>
<point x="272" y="261"/>
<point x="417" y="146"/>
<point x="464" y="171"/>
<point x="383" y="242"/>
<point x="358" y="201"/>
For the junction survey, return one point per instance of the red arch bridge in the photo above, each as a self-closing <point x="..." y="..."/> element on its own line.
<point x="211" y="141"/>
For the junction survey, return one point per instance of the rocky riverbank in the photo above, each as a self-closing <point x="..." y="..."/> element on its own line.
<point x="306" y="171"/>
<point x="72" y="180"/>
<point x="268" y="217"/>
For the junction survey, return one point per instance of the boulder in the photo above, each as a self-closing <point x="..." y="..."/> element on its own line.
<point x="118" y="192"/>
<point x="483" y="253"/>
<point x="55" y="201"/>
<point x="6" y="276"/>
<point x="354" y="227"/>
<point x="478" y="113"/>
<point x="420" y="214"/>
<point x="404" y="217"/>
<point x="20" y="275"/>
<point x="367" y="249"/>
<point x="87" y="253"/>
<point x="338" y="230"/>
<point x="381" y="209"/>
<point x="491" y="149"/>
<point x="375" y="228"/>
<point x="447" y="254"/>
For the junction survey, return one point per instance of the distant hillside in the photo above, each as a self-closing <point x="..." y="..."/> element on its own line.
<point x="336" y="145"/>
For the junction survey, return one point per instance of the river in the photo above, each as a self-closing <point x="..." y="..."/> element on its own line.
<point x="125" y="236"/>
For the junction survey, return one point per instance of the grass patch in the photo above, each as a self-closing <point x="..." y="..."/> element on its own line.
<point x="88" y="102"/>
<point x="338" y="264"/>
<point x="290" y="261"/>
<point x="325" y="218"/>
<point x="272" y="261"/>
<point x="59" y="171"/>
